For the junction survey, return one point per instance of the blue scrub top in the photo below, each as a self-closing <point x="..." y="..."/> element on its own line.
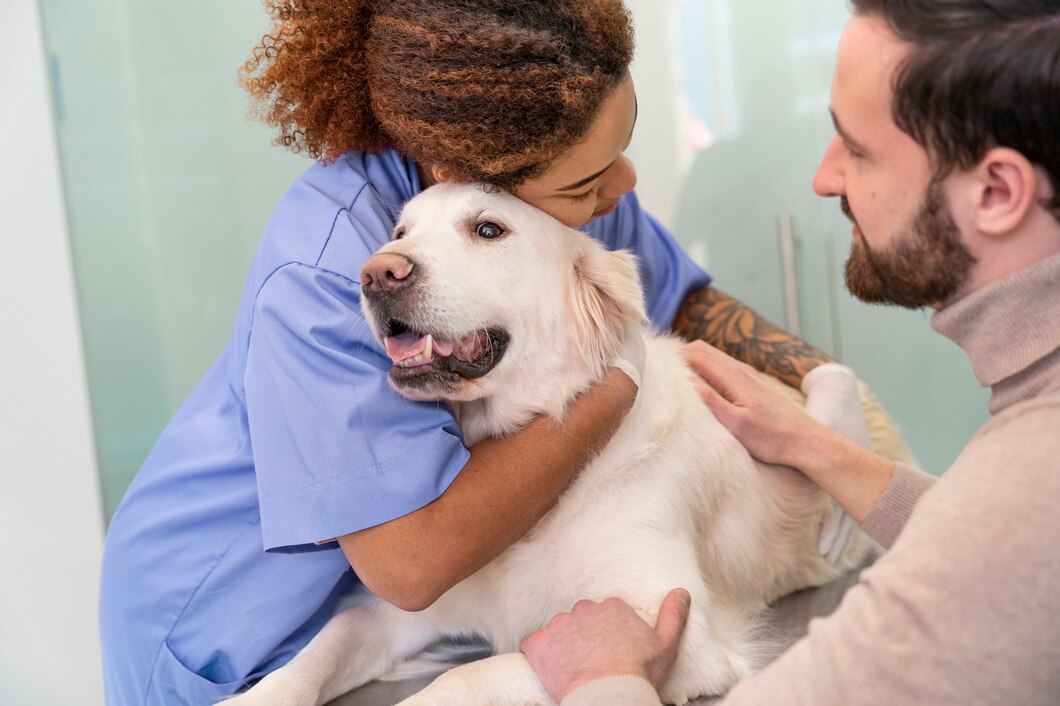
<point x="211" y="574"/>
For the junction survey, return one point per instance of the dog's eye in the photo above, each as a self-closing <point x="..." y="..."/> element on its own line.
<point x="488" y="230"/>
<point x="398" y="234"/>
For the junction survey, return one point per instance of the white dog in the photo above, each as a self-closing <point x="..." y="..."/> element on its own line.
<point x="488" y="303"/>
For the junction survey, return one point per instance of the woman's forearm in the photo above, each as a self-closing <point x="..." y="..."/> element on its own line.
<point x="504" y="489"/>
<point x="730" y="325"/>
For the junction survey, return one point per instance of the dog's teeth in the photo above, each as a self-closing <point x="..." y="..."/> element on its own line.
<point x="427" y="352"/>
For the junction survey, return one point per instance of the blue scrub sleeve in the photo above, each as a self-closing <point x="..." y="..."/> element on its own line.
<point x="335" y="449"/>
<point x="667" y="273"/>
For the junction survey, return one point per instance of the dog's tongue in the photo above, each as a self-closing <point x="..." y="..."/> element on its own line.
<point x="409" y="345"/>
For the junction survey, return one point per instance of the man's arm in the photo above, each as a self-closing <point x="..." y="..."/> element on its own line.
<point x="504" y="489"/>
<point x="730" y="325"/>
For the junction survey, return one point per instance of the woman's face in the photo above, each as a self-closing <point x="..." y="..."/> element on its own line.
<point x="587" y="181"/>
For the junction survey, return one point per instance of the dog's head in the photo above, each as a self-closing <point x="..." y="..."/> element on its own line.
<point x="480" y="295"/>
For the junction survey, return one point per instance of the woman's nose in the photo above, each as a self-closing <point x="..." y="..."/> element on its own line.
<point x="619" y="180"/>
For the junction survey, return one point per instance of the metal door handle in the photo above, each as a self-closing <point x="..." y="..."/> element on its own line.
<point x="790" y="273"/>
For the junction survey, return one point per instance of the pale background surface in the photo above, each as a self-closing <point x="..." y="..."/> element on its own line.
<point x="50" y="516"/>
<point x="129" y="161"/>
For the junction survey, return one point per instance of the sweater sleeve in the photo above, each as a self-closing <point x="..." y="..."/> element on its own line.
<point x="614" y="691"/>
<point x="896" y="504"/>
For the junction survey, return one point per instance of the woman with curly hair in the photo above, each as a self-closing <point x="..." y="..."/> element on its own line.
<point x="293" y="473"/>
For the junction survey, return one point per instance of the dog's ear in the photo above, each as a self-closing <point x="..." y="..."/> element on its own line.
<point x="606" y="298"/>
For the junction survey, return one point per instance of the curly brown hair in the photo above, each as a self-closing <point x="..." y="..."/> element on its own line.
<point x="494" y="90"/>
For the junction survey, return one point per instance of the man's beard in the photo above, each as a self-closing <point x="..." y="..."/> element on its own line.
<point x="926" y="265"/>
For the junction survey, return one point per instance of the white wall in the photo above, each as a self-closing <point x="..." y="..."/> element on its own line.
<point x="50" y="512"/>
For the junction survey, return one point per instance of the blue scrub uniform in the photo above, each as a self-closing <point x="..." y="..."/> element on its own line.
<point x="211" y="574"/>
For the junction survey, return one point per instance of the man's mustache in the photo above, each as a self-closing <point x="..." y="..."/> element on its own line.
<point x="844" y="206"/>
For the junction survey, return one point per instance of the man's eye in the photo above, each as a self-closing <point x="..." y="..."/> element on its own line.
<point x="488" y="230"/>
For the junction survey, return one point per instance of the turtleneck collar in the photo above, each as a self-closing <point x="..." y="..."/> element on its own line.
<point x="1008" y="326"/>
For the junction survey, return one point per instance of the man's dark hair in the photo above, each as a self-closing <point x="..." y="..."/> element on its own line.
<point x="981" y="74"/>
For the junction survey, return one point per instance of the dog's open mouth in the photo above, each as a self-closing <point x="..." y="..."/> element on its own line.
<point x="418" y="357"/>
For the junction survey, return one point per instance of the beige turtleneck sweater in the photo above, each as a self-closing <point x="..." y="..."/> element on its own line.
<point x="965" y="607"/>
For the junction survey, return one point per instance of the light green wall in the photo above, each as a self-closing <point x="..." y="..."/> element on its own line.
<point x="168" y="187"/>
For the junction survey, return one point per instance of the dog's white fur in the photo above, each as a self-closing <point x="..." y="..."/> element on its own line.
<point x="672" y="500"/>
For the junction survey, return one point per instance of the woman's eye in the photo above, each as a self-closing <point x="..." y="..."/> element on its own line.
<point x="583" y="196"/>
<point x="488" y="230"/>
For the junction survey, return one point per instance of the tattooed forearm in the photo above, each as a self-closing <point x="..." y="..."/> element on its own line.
<point x="730" y="325"/>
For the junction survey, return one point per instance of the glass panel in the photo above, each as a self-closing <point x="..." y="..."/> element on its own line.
<point x="736" y="121"/>
<point x="168" y="187"/>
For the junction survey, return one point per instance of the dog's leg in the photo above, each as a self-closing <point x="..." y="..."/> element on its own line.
<point x="711" y="659"/>
<point x="502" y="680"/>
<point x="359" y="644"/>
<point x="704" y="667"/>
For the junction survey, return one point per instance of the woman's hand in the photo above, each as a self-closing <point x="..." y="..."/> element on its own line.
<point x="597" y="640"/>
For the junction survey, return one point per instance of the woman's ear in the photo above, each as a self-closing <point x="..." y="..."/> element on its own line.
<point x="439" y="174"/>
<point x="1007" y="188"/>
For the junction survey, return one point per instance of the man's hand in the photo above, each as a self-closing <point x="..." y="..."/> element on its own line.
<point x="765" y="421"/>
<point x="597" y="640"/>
<point x="776" y="430"/>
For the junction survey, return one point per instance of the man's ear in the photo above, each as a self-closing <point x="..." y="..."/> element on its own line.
<point x="1006" y="188"/>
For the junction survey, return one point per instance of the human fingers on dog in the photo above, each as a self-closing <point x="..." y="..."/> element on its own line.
<point x="608" y="638"/>
<point x="765" y="421"/>
<point x="720" y="370"/>
<point x="724" y="411"/>
<point x="669" y="626"/>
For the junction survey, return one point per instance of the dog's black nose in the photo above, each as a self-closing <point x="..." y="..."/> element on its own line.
<point x="387" y="273"/>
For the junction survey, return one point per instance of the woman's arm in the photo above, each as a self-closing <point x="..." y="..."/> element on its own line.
<point x="504" y="489"/>
<point x="730" y="325"/>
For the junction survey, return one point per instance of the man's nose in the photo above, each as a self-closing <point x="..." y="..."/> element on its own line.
<point x="387" y="273"/>
<point x="828" y="181"/>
